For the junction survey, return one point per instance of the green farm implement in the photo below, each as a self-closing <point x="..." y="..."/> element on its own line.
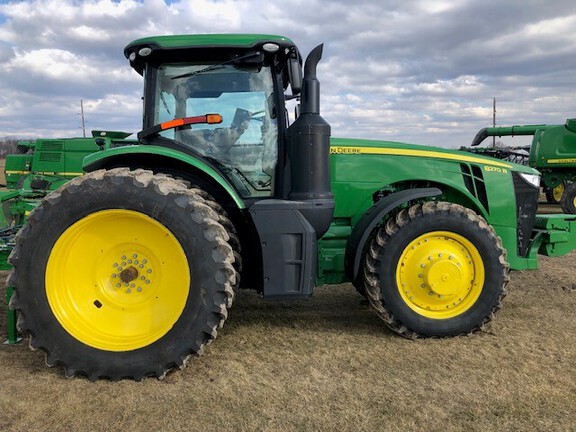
<point x="552" y="152"/>
<point x="130" y="269"/>
<point x="44" y="165"/>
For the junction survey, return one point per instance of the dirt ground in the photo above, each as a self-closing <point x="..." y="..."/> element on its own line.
<point x="329" y="364"/>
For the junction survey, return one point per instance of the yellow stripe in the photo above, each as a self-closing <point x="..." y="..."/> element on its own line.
<point x="561" y="161"/>
<point x="70" y="174"/>
<point x="17" y="172"/>
<point x="410" y="152"/>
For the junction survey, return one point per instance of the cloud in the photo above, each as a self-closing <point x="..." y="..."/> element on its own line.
<point x="422" y="71"/>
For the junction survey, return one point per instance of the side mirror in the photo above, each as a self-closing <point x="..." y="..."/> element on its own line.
<point x="295" y="76"/>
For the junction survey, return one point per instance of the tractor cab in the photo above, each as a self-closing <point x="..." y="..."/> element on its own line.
<point x="222" y="101"/>
<point x="218" y="104"/>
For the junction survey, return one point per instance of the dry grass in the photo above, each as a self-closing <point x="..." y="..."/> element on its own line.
<point x="2" y="176"/>
<point x="329" y="364"/>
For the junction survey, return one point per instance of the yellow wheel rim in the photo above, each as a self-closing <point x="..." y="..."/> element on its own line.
<point x="117" y="280"/>
<point x="557" y="192"/>
<point x="440" y="275"/>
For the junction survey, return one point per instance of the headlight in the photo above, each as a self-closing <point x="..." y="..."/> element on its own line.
<point x="533" y="179"/>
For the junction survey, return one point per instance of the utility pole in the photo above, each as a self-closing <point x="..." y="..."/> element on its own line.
<point x="82" y="118"/>
<point x="493" y="120"/>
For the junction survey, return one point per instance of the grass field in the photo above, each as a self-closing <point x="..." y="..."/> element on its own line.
<point x="328" y="364"/>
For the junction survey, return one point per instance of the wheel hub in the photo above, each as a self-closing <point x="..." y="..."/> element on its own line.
<point x="440" y="274"/>
<point x="131" y="271"/>
<point x="129" y="274"/>
<point x="443" y="277"/>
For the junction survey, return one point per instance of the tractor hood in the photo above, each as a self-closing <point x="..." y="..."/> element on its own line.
<point x="370" y="147"/>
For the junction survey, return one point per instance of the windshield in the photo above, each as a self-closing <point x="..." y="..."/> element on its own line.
<point x="244" y="145"/>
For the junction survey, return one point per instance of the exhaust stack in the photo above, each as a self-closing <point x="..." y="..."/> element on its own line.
<point x="311" y="86"/>
<point x="309" y="153"/>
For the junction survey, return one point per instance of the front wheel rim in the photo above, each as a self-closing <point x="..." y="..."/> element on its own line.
<point x="440" y="275"/>
<point x="117" y="280"/>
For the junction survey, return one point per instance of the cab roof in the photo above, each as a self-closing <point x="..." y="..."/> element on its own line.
<point x="201" y="42"/>
<point x="209" y="40"/>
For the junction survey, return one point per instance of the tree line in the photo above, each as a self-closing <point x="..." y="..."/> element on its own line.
<point x="8" y="145"/>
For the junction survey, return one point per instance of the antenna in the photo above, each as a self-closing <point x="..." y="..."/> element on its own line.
<point x="494" y="121"/>
<point x="82" y="122"/>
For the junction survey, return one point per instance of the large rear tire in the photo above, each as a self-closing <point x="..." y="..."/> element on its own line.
<point x="122" y="274"/>
<point x="436" y="269"/>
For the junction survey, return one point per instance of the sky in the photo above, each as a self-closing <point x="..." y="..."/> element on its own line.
<point x="422" y="71"/>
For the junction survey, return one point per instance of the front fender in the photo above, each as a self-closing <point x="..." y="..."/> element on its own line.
<point x="371" y="218"/>
<point x="149" y="156"/>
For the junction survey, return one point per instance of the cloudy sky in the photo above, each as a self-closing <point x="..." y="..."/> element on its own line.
<point x="422" y="71"/>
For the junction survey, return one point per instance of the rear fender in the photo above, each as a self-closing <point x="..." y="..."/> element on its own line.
<point x="373" y="216"/>
<point x="164" y="159"/>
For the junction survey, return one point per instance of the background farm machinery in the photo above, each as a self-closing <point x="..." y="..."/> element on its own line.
<point x="44" y="165"/>
<point x="552" y="152"/>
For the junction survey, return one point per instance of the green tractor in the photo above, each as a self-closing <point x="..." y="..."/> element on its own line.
<point x="552" y="152"/>
<point x="129" y="270"/>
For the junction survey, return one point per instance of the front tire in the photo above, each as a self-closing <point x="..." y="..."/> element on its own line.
<point x="436" y="269"/>
<point x="568" y="202"/>
<point x="122" y="274"/>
